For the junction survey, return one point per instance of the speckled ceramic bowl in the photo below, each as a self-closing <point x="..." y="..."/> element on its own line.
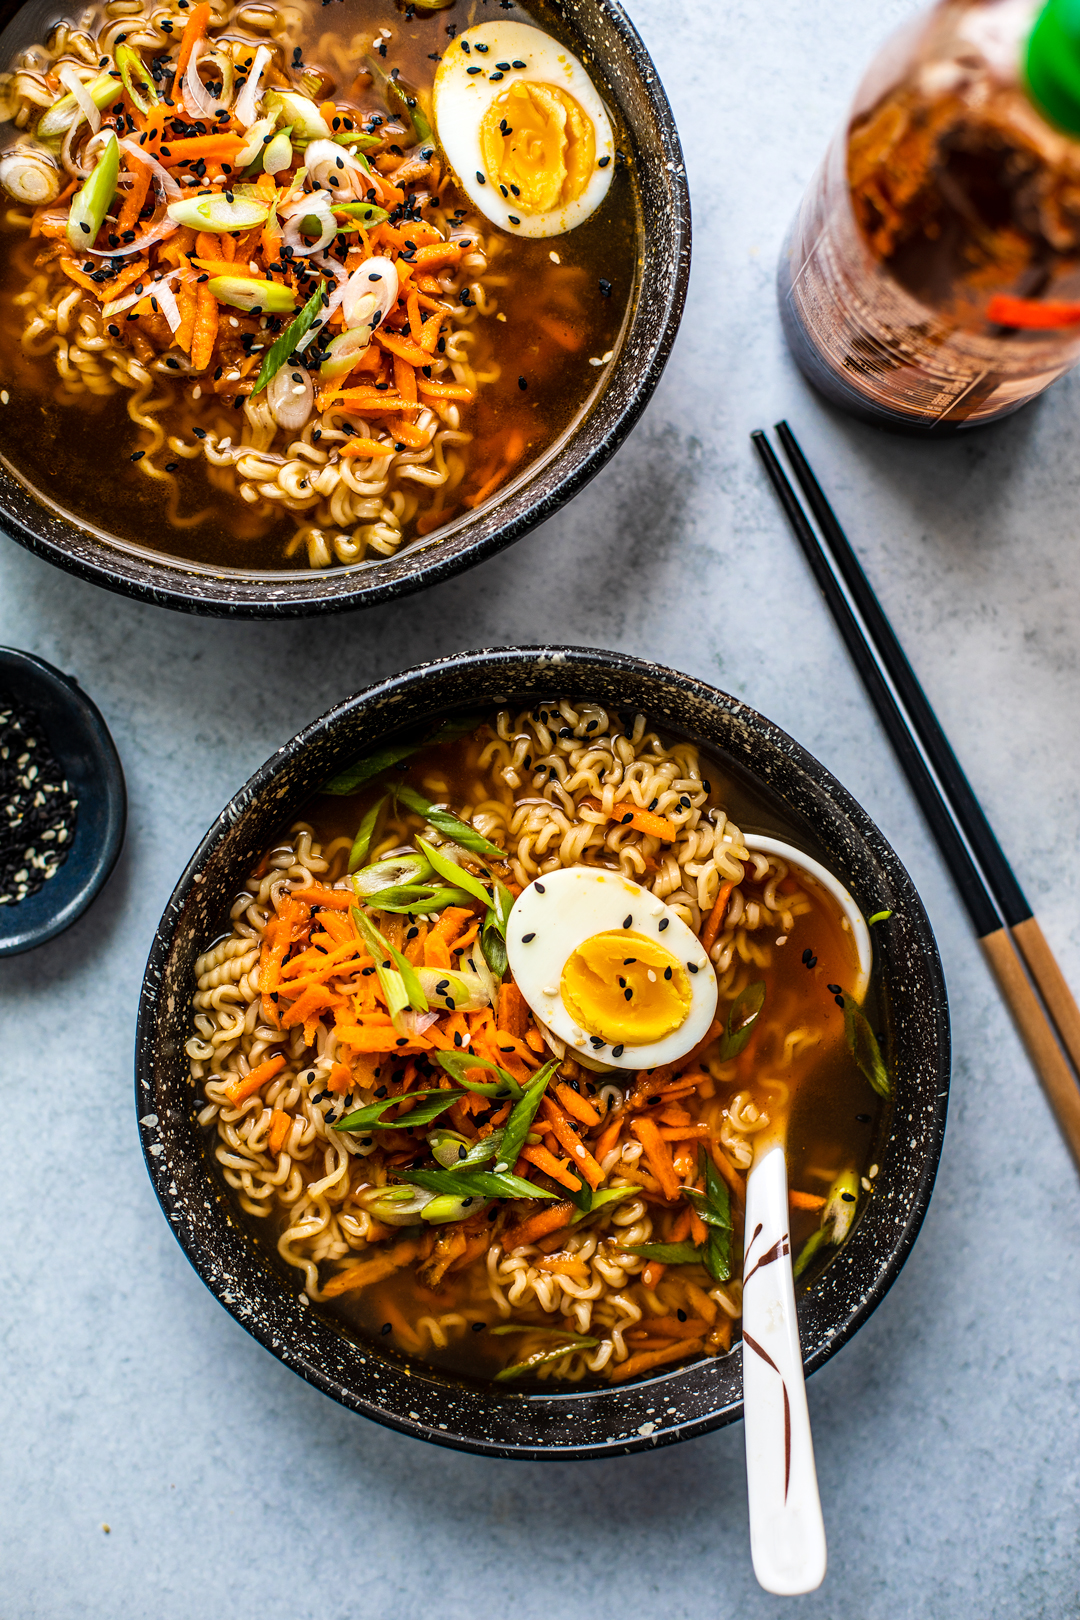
<point x="603" y="34"/>
<point x="410" y="1396"/>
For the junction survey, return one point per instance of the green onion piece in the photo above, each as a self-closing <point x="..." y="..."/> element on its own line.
<point x="444" y="1208"/>
<point x="502" y="1328"/>
<point x="364" y="213"/>
<point x="416" y="899"/>
<point x="277" y="356"/>
<point x="543" y="1358"/>
<point x="457" y="1063"/>
<point x="301" y="112"/>
<point x="863" y="1046"/>
<point x="475" y="1183"/>
<point x="836" y="1218"/>
<point x="453" y="873"/>
<point x="394" y="871"/>
<point x="450" y="826"/>
<point x="393" y="985"/>
<point x="359" y="140"/>
<point x="521" y="1117"/>
<point x="247" y="292"/>
<point x="453" y="1152"/>
<point x="430" y="1104"/>
<point x="669" y="1254"/>
<point x="604" y="1195"/>
<point x="374" y="764"/>
<point x="364" y="834"/>
<point x="395" y="1206"/>
<point x="493" y="946"/>
<point x="67" y="111"/>
<point x="217" y="213"/>
<point x="91" y="203"/>
<point x="879" y="916"/>
<point x="133" y="69"/>
<point x="744" y="1013"/>
<point x="414" y="992"/>
<point x="708" y="1214"/>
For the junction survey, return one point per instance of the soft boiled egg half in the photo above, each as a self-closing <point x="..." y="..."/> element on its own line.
<point x="609" y="969"/>
<point x="523" y="128"/>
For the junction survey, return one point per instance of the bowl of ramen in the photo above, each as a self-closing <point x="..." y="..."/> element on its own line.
<point x="460" y="1025"/>
<point x="303" y="309"/>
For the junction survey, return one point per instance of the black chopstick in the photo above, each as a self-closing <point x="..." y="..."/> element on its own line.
<point x="1033" y="1019"/>
<point x="963" y="805"/>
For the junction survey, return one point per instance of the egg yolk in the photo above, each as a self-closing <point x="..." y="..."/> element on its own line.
<point x="626" y="989"/>
<point x="538" y="145"/>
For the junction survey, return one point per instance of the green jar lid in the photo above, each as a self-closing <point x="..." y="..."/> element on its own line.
<point x="1053" y="64"/>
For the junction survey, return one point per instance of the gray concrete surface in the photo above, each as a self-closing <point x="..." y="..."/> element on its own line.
<point x="947" y="1433"/>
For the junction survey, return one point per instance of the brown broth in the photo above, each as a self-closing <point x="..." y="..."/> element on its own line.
<point x="76" y="457"/>
<point x="837" y="1121"/>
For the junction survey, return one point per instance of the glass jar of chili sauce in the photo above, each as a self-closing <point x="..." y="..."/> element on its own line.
<point x="931" y="279"/>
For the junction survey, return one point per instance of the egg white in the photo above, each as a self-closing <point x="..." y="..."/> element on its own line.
<point x="557" y="912"/>
<point x="460" y="100"/>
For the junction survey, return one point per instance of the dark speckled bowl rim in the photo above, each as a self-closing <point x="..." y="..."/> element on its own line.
<point x="83" y="747"/>
<point x="409" y="1397"/>
<point x="541" y="491"/>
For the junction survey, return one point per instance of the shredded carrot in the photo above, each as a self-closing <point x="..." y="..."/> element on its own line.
<point x="577" y="1105"/>
<point x="728" y="1171"/>
<point x="195" y="30"/>
<point x="247" y="1085"/>
<point x="405" y="433"/>
<point x="328" y="111"/>
<point x="631" y="815"/>
<point x="205" y="332"/>
<point x="403" y="347"/>
<point x="608" y="1139"/>
<point x="405" y="379"/>
<point x="366" y="447"/>
<point x="565" y="335"/>
<point x="680" y="1229"/>
<point x="669" y="1327"/>
<point x="136" y="197"/>
<point x="341" y="899"/>
<point x="437" y="255"/>
<point x="658" y="1154"/>
<point x="450" y="925"/>
<point x="540" y="1225"/>
<point x="580" y="1156"/>
<point x="1031" y="313"/>
<point x="801" y="1200"/>
<point x="513" y="1017"/>
<point x="73" y="273"/>
<point x="634" y="1366"/>
<point x="226" y="267"/>
<point x="340" y="1079"/>
<point x="683" y="1133"/>
<point x="416" y="320"/>
<point x="200" y="146"/>
<point x="362" y="1273"/>
<point x="280" y="1125"/>
<point x="653" y="1272"/>
<point x="698" y="1230"/>
<point x="438" y="390"/>
<point x="716" y="917"/>
<point x="557" y="1169"/>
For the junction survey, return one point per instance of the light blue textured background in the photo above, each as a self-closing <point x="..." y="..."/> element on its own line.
<point x="947" y="1433"/>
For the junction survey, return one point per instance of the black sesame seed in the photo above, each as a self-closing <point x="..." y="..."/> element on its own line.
<point x="478" y="1327"/>
<point x="628" y="922"/>
<point x="387" y="1327"/>
<point x="667" y="973"/>
<point x="480" y="179"/>
<point x="138" y="455"/>
<point x="848" y="1198"/>
<point x="539" y="887"/>
<point x="605" y="288"/>
<point x="839" y="1000"/>
<point x="681" y="1314"/>
<point x="863" y="1119"/>
<point x="603" y="163"/>
<point x="616" y="1051"/>
<point x="807" y="954"/>
<point x="663" y="923"/>
<point x="523" y="383"/>
<point x="595" y="1042"/>
<point x="514" y="220"/>
<point x="628" y="995"/>
<point x="653" y="803"/>
<point x="527" y="939"/>
<point x="692" y="966"/>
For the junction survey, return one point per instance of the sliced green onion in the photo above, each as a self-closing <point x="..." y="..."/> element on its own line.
<point x="396" y="869"/>
<point x="357" y="139"/>
<point x="405" y="974"/>
<point x="395" y="1206"/>
<point x="278" y="153"/>
<point x="603" y="1196"/>
<point x="416" y="899"/>
<point x="745" y="1010"/>
<point x="429" y="1105"/>
<point x="457" y="1064"/>
<point x="65" y="112"/>
<point x="92" y="202"/>
<point x="836" y="1218"/>
<point x="278" y="355"/>
<point x="133" y="70"/>
<point x="259" y="135"/>
<point x="544" y="1357"/>
<point x="374" y="764"/>
<point x="217" y="213"/>
<point x="473" y="1183"/>
<point x="364" y="213"/>
<point x="459" y="992"/>
<point x="245" y="292"/>
<point x="444" y="1208"/>
<point x="364" y="834"/>
<point x="521" y="1117"/>
<point x="669" y="1254"/>
<point x="345" y="350"/>
<point x="863" y="1046"/>
<point x="298" y="111"/>
<point x="453" y="873"/>
<point x="449" y="825"/>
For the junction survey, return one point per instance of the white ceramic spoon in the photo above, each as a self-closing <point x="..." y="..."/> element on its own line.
<point x="787" y="1532"/>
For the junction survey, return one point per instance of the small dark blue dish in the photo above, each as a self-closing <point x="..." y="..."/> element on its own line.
<point x="80" y="740"/>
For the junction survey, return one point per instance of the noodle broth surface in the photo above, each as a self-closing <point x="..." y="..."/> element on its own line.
<point x="123" y="448"/>
<point x="581" y="1279"/>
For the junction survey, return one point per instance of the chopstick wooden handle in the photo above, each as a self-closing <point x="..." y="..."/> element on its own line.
<point x="1058" y="1082"/>
<point x="1059" y="999"/>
